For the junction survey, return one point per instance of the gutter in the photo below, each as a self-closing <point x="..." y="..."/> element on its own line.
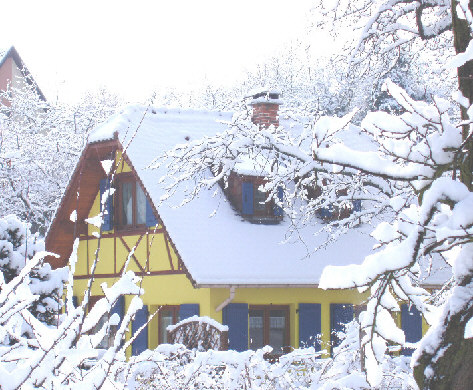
<point x="204" y="285"/>
<point x="228" y="300"/>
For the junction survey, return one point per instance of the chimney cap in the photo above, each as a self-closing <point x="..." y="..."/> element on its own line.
<point x="264" y="95"/>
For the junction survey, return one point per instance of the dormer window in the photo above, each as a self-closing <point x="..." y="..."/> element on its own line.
<point x="254" y="201"/>
<point x="260" y="201"/>
<point x="246" y="196"/>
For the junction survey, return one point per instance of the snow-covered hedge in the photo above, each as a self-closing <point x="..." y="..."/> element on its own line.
<point x="175" y="367"/>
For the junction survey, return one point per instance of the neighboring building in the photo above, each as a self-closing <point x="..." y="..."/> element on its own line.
<point x="13" y="71"/>
<point x="231" y="266"/>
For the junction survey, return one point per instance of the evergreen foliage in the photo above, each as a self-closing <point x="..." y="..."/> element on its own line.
<point x="17" y="247"/>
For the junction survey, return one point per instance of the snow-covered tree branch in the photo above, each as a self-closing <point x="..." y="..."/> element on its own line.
<point x="405" y="170"/>
<point x="40" y="143"/>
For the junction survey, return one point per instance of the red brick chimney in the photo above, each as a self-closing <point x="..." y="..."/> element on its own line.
<point x="265" y="108"/>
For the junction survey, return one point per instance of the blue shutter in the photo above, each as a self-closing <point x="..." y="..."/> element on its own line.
<point x="310" y="325"/>
<point x="188" y="310"/>
<point x="357" y="205"/>
<point x="235" y="315"/>
<point x="107" y="218"/>
<point x="151" y="220"/>
<point x="277" y="209"/>
<point x="247" y="197"/>
<point x="140" y="344"/>
<point x="411" y="324"/>
<point x="326" y="212"/>
<point x="119" y="307"/>
<point x="75" y="301"/>
<point x="340" y="314"/>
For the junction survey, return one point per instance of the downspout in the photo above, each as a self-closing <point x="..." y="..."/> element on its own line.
<point x="228" y="300"/>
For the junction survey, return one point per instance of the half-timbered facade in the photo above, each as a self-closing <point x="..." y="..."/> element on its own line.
<point x="194" y="260"/>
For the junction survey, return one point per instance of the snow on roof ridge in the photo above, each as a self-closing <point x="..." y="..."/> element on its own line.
<point x="4" y="50"/>
<point x="105" y="131"/>
<point x="187" y="110"/>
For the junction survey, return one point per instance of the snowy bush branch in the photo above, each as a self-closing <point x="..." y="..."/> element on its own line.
<point x="40" y="144"/>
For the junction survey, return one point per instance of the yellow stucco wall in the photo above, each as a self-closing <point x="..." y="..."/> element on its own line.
<point x="291" y="297"/>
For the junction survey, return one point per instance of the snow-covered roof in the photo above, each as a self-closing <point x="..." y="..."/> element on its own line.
<point x="10" y="51"/>
<point x="224" y="249"/>
<point x="4" y="52"/>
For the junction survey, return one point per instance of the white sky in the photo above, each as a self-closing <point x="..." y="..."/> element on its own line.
<point x="136" y="47"/>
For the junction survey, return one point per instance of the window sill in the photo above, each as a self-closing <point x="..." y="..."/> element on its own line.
<point x="262" y="219"/>
<point x="131" y="229"/>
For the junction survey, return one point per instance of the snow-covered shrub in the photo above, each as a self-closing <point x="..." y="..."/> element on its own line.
<point x="61" y="356"/>
<point x="17" y="248"/>
<point x="175" y="367"/>
<point x="346" y="369"/>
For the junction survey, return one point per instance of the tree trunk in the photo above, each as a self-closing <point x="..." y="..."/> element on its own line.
<point x="461" y="39"/>
<point x="450" y="365"/>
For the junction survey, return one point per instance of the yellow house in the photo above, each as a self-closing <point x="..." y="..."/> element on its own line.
<point x="220" y="255"/>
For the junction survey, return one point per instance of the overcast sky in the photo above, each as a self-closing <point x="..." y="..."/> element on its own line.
<point x="136" y="47"/>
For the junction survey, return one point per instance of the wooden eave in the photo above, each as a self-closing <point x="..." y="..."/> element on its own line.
<point x="80" y="195"/>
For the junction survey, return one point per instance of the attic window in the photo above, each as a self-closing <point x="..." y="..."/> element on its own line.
<point x="260" y="201"/>
<point x="254" y="201"/>
<point x="132" y="202"/>
<point x="132" y="208"/>
<point x="244" y="192"/>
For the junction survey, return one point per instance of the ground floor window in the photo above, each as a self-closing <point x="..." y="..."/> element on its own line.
<point x="168" y="315"/>
<point x="269" y="325"/>
<point x="109" y="337"/>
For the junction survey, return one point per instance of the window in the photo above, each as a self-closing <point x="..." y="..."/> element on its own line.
<point x="260" y="201"/>
<point x="132" y="208"/>
<point x="168" y="315"/>
<point x="254" y="201"/>
<point x="243" y="192"/>
<point x="109" y="337"/>
<point x="269" y="325"/>
<point x="131" y="202"/>
<point x="171" y="315"/>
